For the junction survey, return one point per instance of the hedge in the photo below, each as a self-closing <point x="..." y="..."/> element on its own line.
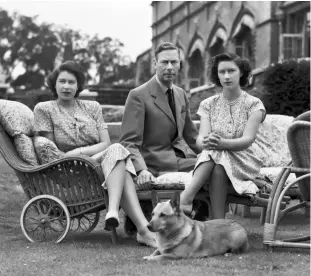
<point x="287" y="87"/>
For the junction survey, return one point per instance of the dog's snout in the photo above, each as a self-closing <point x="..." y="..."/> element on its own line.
<point x="149" y="227"/>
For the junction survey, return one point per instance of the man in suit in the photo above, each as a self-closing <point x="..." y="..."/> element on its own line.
<point x="156" y="118"/>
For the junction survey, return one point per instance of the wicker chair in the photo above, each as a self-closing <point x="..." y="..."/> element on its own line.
<point x="233" y="199"/>
<point x="62" y="195"/>
<point x="259" y="200"/>
<point x="298" y="137"/>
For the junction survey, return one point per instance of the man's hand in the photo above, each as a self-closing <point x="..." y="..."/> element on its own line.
<point x="143" y="180"/>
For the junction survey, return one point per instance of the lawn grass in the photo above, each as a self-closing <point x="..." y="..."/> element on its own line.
<point x="94" y="254"/>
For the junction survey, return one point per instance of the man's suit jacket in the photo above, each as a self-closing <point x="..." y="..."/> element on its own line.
<point x="148" y="127"/>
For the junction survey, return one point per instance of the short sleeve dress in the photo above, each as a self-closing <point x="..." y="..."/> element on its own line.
<point x="229" y="120"/>
<point x="79" y="129"/>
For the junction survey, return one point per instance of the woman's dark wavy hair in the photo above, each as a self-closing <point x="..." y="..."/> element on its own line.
<point x="242" y="63"/>
<point x="71" y="67"/>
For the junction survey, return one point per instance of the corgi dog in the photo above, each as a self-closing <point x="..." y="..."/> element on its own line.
<point x="180" y="237"/>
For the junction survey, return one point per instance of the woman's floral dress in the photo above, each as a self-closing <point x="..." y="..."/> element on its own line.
<point x="80" y="129"/>
<point x="229" y="120"/>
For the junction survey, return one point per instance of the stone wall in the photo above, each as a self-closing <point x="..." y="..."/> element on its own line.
<point x="113" y="113"/>
<point x="198" y="95"/>
<point x="114" y="130"/>
<point x="110" y="95"/>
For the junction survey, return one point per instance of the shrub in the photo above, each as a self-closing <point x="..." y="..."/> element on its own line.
<point x="287" y="87"/>
<point x="31" y="97"/>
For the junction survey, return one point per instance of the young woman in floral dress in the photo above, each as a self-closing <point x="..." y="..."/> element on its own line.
<point x="77" y="127"/>
<point x="228" y="128"/>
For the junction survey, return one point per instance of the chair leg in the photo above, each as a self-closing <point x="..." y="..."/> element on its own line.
<point x="307" y="209"/>
<point x="272" y="225"/>
<point x="263" y="215"/>
<point x="246" y="211"/>
<point x="210" y="217"/>
<point x="234" y="208"/>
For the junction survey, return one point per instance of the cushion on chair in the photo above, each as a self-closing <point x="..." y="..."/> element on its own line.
<point x="16" y="118"/>
<point x="172" y="180"/>
<point x="273" y="172"/>
<point x="25" y="149"/>
<point x="271" y="146"/>
<point x="46" y="150"/>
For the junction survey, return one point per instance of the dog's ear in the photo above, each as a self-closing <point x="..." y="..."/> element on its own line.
<point x="175" y="202"/>
<point x="154" y="198"/>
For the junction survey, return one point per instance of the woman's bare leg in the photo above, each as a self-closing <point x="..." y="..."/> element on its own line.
<point x="130" y="205"/>
<point x="218" y="191"/>
<point x="121" y="191"/>
<point x="199" y="178"/>
<point x="115" y="185"/>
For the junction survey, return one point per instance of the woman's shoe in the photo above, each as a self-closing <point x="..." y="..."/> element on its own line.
<point x="111" y="220"/>
<point x="147" y="240"/>
<point x="187" y="208"/>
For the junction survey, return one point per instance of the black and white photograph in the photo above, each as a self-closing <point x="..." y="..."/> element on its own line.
<point x="154" y="138"/>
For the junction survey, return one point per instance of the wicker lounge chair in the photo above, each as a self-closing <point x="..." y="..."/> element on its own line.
<point x="63" y="195"/>
<point x="259" y="200"/>
<point x="298" y="136"/>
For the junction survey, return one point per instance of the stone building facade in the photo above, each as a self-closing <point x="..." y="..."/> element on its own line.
<point x="265" y="32"/>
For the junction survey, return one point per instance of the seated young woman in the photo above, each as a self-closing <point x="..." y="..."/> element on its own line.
<point x="77" y="127"/>
<point x="229" y="122"/>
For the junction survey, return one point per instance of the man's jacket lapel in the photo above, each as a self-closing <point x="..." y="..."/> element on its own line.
<point x="178" y="105"/>
<point x="159" y="99"/>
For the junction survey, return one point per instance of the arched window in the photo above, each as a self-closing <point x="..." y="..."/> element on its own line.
<point x="181" y="75"/>
<point x="196" y="62"/>
<point x="242" y="35"/>
<point x="217" y="48"/>
<point x="243" y="42"/>
<point x="196" y="69"/>
<point x="217" y="40"/>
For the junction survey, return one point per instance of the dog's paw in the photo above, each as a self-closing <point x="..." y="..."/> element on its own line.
<point x="147" y="258"/>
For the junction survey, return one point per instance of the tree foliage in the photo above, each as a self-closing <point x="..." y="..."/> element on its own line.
<point x="41" y="47"/>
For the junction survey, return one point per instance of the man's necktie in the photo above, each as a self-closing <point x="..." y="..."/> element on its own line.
<point x="171" y="101"/>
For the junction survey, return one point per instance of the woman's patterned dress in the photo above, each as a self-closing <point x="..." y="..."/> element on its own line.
<point x="80" y="129"/>
<point x="229" y="120"/>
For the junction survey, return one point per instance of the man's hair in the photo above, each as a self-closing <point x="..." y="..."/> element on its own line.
<point x="242" y="63"/>
<point x="71" y="67"/>
<point x="166" y="46"/>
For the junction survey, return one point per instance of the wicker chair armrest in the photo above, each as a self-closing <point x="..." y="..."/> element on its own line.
<point x="80" y="158"/>
<point x="303" y="117"/>
<point x="298" y="170"/>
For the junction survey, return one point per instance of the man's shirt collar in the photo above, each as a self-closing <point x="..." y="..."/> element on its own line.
<point x="163" y="87"/>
